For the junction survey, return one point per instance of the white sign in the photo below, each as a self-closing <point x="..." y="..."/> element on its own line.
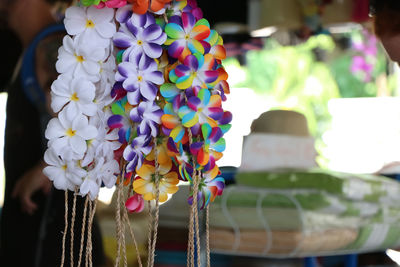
<point x="275" y="151"/>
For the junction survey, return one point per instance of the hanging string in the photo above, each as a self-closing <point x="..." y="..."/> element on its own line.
<point x="157" y="208"/>
<point x="196" y="216"/>
<point x="125" y="214"/>
<point x="73" y="227"/>
<point x="118" y="222"/>
<point x="90" y="243"/>
<point x="190" y="252"/>
<point x="87" y="243"/>
<point x="208" y="235"/>
<point x="123" y="232"/>
<point x="65" y="229"/>
<point x="83" y="230"/>
<point x="149" y="240"/>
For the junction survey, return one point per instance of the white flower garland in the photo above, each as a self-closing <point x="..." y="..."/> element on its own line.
<point x="80" y="153"/>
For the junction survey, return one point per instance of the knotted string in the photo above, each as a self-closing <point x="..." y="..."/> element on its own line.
<point x="65" y="229"/>
<point x="118" y="222"/>
<point x="90" y="243"/>
<point x="125" y="214"/>
<point x="83" y="230"/>
<point x="72" y="227"/>
<point x="208" y="235"/>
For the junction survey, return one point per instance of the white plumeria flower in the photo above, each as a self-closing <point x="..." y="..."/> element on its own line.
<point x="108" y="171"/>
<point x="105" y="143"/>
<point x="80" y="61"/>
<point x="91" y="183"/>
<point x="76" y="93"/>
<point x="63" y="133"/>
<point x="108" y="69"/>
<point x="90" y="24"/>
<point x="64" y="174"/>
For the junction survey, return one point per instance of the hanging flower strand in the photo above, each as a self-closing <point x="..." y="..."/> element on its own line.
<point x="141" y="101"/>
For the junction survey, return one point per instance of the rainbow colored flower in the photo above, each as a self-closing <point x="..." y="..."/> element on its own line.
<point x="203" y="108"/>
<point x="187" y="36"/>
<point x="196" y="70"/>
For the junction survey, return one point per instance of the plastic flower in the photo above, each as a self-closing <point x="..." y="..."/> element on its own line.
<point x="203" y="108"/>
<point x="187" y="37"/>
<point x="111" y="4"/>
<point x="163" y="159"/>
<point x="140" y="78"/>
<point x="181" y="155"/>
<point x="90" y="2"/>
<point x="213" y="141"/>
<point x="123" y="14"/>
<point x="176" y="8"/>
<point x="102" y="173"/>
<point x="217" y="48"/>
<point x="193" y="8"/>
<point x="140" y="35"/>
<point x="136" y="151"/>
<point x="90" y="24"/>
<point x="121" y="120"/>
<point x="196" y="70"/>
<point x="221" y="89"/>
<point x="64" y="174"/>
<point x="62" y="133"/>
<point x="141" y="6"/>
<point x="79" y="61"/>
<point x="148" y="116"/>
<point x="107" y="171"/>
<point x="135" y="203"/>
<point x="224" y="121"/>
<point x="91" y="184"/>
<point x="76" y="93"/>
<point x="210" y="187"/>
<point x="104" y="144"/>
<point x="145" y="183"/>
<point x="171" y="121"/>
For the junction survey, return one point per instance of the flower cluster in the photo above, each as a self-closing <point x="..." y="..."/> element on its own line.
<point x="194" y="120"/>
<point x="80" y="154"/>
<point x="169" y="89"/>
<point x="137" y="114"/>
<point x="155" y="118"/>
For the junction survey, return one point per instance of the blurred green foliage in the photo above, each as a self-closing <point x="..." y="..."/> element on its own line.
<point x="298" y="80"/>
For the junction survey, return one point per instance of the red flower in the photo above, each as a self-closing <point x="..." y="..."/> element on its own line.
<point x="141" y="6"/>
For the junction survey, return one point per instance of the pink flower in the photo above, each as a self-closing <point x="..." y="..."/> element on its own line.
<point x="135" y="203"/>
<point x="112" y="4"/>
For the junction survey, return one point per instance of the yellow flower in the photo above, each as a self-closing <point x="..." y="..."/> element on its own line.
<point x="145" y="183"/>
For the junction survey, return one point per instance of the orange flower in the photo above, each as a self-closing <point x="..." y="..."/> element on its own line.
<point x="141" y="6"/>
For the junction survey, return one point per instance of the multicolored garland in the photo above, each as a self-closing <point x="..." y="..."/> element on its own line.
<point x="153" y="119"/>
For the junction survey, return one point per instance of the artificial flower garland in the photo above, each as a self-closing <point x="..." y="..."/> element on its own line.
<point x="150" y="121"/>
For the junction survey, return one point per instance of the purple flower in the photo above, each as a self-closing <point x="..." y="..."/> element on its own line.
<point x="140" y="35"/>
<point x="140" y="78"/>
<point x="136" y="151"/>
<point x="148" y="115"/>
<point x="359" y="64"/>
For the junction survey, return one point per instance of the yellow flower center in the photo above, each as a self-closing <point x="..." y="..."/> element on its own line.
<point x="89" y="24"/>
<point x="64" y="168"/>
<point x="70" y="132"/>
<point x="139" y="42"/>
<point x="80" y="59"/>
<point x="140" y="78"/>
<point x="187" y="37"/>
<point x="74" y="97"/>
